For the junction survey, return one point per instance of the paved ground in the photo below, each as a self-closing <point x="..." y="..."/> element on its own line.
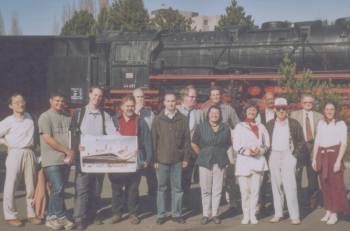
<point x="231" y="219"/>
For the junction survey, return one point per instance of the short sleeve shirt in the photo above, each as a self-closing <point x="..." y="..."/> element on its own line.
<point x="57" y="125"/>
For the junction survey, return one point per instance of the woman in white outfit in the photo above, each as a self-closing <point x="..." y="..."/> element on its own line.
<point x="251" y="141"/>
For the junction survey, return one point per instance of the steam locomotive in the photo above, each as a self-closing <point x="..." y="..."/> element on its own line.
<point x="159" y="61"/>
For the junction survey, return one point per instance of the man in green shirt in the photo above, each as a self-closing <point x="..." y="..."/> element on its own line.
<point x="57" y="155"/>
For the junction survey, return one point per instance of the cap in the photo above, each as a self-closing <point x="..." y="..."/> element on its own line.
<point x="281" y="102"/>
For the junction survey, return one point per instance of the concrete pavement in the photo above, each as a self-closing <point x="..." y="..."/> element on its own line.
<point x="230" y="221"/>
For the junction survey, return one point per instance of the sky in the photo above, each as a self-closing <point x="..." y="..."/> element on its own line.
<point x="38" y="17"/>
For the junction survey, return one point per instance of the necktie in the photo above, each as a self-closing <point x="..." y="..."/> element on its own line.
<point x="309" y="135"/>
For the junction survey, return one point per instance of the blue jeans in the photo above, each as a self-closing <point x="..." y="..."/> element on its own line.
<point x="56" y="175"/>
<point x="172" y="172"/>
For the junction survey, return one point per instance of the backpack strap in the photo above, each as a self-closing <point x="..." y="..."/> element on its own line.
<point x="103" y="122"/>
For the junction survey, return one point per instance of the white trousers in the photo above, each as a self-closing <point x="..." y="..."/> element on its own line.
<point x="283" y="181"/>
<point x="211" y="187"/>
<point x="250" y="187"/>
<point x="19" y="162"/>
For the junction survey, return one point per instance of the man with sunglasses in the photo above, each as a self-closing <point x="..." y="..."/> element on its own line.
<point x="308" y="119"/>
<point x="287" y="141"/>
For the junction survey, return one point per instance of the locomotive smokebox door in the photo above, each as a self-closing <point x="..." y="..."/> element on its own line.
<point x="130" y="59"/>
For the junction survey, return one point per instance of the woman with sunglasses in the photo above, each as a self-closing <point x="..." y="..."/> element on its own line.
<point x="329" y="149"/>
<point x="251" y="141"/>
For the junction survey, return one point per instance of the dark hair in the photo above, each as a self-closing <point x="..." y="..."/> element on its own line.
<point x="336" y="112"/>
<point x="128" y="97"/>
<point x="169" y="93"/>
<point x="248" y="105"/>
<point x="15" y="95"/>
<point x="215" y="88"/>
<point x="56" y="93"/>
<point x="91" y="88"/>
<point x="214" y="107"/>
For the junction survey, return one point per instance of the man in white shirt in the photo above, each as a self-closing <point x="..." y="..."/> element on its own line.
<point x="90" y="120"/>
<point x="287" y="141"/>
<point x="308" y="119"/>
<point x="17" y="133"/>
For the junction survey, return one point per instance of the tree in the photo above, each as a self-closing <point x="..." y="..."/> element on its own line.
<point x="102" y="20"/>
<point x="82" y="23"/>
<point x="2" y="25"/>
<point x="170" y="20"/>
<point x="15" y="28"/>
<point x="235" y="15"/>
<point x="128" y="15"/>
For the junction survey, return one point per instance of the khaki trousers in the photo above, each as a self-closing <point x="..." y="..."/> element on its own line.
<point x="19" y="162"/>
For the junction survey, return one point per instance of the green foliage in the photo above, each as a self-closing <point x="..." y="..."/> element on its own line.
<point x="102" y="20"/>
<point x="82" y="23"/>
<point x="170" y="20"/>
<point x="295" y="87"/>
<point x="235" y="15"/>
<point x="128" y="15"/>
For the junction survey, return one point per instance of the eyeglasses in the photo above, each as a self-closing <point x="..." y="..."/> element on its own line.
<point x="281" y="108"/>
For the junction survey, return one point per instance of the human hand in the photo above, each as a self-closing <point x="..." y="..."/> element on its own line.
<point x="81" y="148"/>
<point x="145" y="164"/>
<point x="314" y="166"/>
<point x="156" y="165"/>
<point x="184" y="164"/>
<point x="337" y="166"/>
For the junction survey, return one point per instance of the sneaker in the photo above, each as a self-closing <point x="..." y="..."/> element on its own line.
<point x="216" y="220"/>
<point x="67" y="224"/>
<point x="179" y="220"/>
<point x="275" y="220"/>
<point x="295" y="222"/>
<point x="245" y="221"/>
<point x="15" y="222"/>
<point x="333" y="219"/>
<point x="253" y="221"/>
<point x="117" y="217"/>
<point x="54" y="224"/>
<point x="161" y="220"/>
<point x="204" y="220"/>
<point x="34" y="221"/>
<point x="134" y="219"/>
<point x="326" y="217"/>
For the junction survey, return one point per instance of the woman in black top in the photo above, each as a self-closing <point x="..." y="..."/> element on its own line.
<point x="211" y="141"/>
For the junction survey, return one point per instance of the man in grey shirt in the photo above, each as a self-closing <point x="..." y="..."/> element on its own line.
<point x="194" y="117"/>
<point x="56" y="155"/>
<point x="90" y="120"/>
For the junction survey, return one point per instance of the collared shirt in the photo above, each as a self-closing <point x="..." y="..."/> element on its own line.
<point x="269" y="114"/>
<point x="169" y="114"/>
<point x="310" y="114"/>
<point x="92" y="123"/>
<point x="128" y="128"/>
<point x="281" y="136"/>
<point x="329" y="134"/>
<point x="18" y="132"/>
<point x="194" y="117"/>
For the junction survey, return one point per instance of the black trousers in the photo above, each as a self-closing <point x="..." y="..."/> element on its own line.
<point x="187" y="177"/>
<point x="151" y="178"/>
<point x="88" y="188"/>
<point x="125" y="187"/>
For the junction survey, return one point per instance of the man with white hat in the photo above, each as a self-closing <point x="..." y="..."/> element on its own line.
<point x="287" y="140"/>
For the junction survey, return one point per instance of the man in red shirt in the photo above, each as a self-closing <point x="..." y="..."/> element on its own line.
<point x="125" y="186"/>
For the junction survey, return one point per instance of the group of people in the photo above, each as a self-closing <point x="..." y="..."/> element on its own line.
<point x="263" y="149"/>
